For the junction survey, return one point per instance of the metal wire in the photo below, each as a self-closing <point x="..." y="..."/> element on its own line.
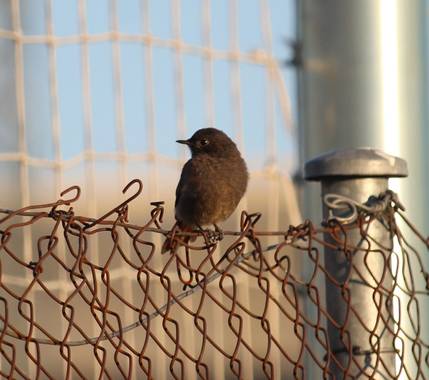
<point x="93" y="299"/>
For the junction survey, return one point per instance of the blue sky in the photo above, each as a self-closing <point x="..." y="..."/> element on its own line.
<point x="68" y="61"/>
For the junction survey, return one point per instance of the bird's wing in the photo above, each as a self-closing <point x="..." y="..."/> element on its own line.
<point x="187" y="172"/>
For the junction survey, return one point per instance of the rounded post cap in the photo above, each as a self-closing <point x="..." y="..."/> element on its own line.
<point x="359" y="162"/>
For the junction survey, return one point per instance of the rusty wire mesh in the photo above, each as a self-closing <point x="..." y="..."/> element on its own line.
<point x="178" y="300"/>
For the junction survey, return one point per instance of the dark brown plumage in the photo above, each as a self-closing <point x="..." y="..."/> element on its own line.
<point x="212" y="182"/>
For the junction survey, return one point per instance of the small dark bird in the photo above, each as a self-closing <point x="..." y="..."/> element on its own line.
<point x="212" y="182"/>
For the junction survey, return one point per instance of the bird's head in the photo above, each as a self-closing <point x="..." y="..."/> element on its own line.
<point x="210" y="141"/>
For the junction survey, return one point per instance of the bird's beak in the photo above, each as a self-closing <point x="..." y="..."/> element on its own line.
<point x="186" y="142"/>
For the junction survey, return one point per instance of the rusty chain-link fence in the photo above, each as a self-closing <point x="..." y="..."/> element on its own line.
<point x="130" y="306"/>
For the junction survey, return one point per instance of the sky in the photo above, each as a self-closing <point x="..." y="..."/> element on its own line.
<point x="132" y="56"/>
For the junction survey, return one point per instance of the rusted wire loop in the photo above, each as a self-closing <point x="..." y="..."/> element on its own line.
<point x="249" y="220"/>
<point x="35" y="267"/>
<point x="122" y="207"/>
<point x="157" y="204"/>
<point x="64" y="215"/>
<point x="157" y="212"/>
<point x="301" y="231"/>
<point x="53" y="212"/>
<point x="73" y="199"/>
<point x="396" y="201"/>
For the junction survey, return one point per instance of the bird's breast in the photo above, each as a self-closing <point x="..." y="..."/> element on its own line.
<point x="212" y="191"/>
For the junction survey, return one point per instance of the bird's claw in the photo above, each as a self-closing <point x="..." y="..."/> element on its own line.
<point x="214" y="236"/>
<point x="218" y="232"/>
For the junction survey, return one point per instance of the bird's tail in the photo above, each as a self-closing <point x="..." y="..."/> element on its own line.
<point x="171" y="244"/>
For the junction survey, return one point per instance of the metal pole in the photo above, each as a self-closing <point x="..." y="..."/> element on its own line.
<point x="363" y="74"/>
<point x="351" y="96"/>
<point x="358" y="174"/>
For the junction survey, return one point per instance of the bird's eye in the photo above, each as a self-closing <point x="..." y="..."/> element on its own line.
<point x="204" y="142"/>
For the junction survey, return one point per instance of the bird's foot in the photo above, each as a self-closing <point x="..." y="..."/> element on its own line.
<point x="214" y="236"/>
<point x="219" y="232"/>
<point x="210" y="236"/>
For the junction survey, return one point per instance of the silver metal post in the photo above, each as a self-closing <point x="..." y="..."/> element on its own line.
<point x="358" y="174"/>
<point x="345" y="78"/>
